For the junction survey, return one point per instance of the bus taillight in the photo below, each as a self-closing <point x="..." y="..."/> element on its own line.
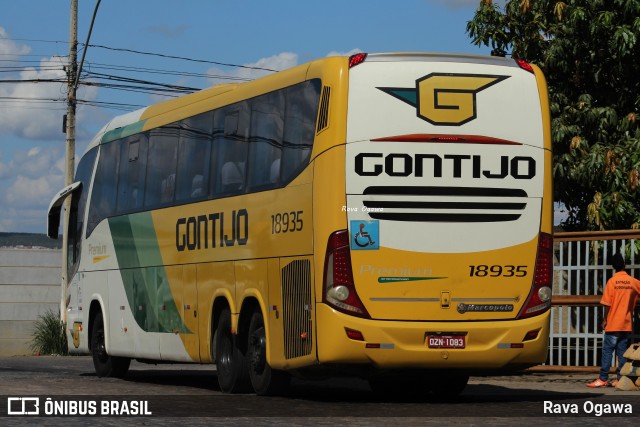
<point x="339" y="288"/>
<point x="357" y="59"/>
<point x="539" y="299"/>
<point x="525" y="65"/>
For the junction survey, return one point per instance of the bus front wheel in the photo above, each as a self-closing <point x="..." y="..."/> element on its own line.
<point x="265" y="380"/>
<point x="231" y="364"/>
<point x="104" y="364"/>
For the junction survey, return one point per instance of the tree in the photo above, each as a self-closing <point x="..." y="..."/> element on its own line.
<point x="589" y="51"/>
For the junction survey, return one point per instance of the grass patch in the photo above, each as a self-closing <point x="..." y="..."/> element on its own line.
<point x="49" y="336"/>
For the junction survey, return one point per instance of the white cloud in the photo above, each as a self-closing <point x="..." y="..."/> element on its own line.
<point x="24" y="219"/>
<point x="32" y="114"/>
<point x="39" y="120"/>
<point x="278" y="62"/>
<point x="349" y="53"/>
<point x="3" y="168"/>
<point x="9" y="47"/>
<point x="30" y="109"/>
<point x="30" y="192"/>
<point x="31" y="170"/>
<point x="37" y="161"/>
<point x="34" y="176"/>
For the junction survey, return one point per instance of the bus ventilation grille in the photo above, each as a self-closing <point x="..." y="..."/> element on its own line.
<point x="445" y="204"/>
<point x="296" y="296"/>
<point x="323" y="113"/>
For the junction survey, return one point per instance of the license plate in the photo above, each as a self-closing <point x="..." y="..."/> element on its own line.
<point x="446" y="341"/>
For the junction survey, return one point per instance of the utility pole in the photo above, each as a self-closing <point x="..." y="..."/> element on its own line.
<point x="70" y="152"/>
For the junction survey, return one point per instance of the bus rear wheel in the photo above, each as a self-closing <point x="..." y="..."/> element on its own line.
<point x="105" y="364"/>
<point x="231" y="364"/>
<point x="265" y="380"/>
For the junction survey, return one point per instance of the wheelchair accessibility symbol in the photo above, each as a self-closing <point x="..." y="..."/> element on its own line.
<point x="365" y="235"/>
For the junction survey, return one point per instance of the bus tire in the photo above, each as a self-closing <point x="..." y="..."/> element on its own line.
<point x="265" y="380"/>
<point x="231" y="363"/>
<point x="104" y="364"/>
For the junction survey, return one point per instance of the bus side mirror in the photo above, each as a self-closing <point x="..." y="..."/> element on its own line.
<point x="53" y="219"/>
<point x="53" y="223"/>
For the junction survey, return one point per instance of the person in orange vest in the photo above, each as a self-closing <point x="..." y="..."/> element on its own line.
<point x="619" y="300"/>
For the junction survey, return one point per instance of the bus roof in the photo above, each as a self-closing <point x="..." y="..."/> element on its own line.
<point x="175" y="109"/>
<point x="441" y="57"/>
<point x="204" y="100"/>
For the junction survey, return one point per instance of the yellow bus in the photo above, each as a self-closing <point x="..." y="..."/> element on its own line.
<point x="381" y="215"/>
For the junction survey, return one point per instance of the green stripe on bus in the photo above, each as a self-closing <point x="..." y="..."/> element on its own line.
<point x="122" y="132"/>
<point x="143" y="275"/>
<point x="396" y="279"/>
<point x="144" y="236"/>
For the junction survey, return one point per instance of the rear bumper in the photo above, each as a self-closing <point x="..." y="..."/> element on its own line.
<point x="403" y="344"/>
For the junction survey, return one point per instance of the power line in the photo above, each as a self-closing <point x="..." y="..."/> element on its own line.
<point x="134" y="88"/>
<point x="35" y="54"/>
<point x="182" y="58"/>
<point x="110" y="105"/>
<point x="138" y="83"/>
<point x="120" y="83"/>
<point x="34" y="40"/>
<point x="152" y="88"/>
<point x="119" y="49"/>
<point x="19" y="98"/>
<point x="61" y="80"/>
<point x="30" y="62"/>
<point x="145" y="82"/>
<point x="20" y="69"/>
<point x="91" y="103"/>
<point x="101" y="66"/>
<point x="42" y="106"/>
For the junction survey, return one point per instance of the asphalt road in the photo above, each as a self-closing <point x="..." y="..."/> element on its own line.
<point x="188" y="394"/>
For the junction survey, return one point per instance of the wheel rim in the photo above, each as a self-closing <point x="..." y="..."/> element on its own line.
<point x="224" y="361"/>
<point x="101" y="351"/>
<point x="258" y="359"/>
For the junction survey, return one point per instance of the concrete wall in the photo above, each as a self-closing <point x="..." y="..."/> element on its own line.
<point x="29" y="286"/>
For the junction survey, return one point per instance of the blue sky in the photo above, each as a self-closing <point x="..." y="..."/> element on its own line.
<point x="274" y="34"/>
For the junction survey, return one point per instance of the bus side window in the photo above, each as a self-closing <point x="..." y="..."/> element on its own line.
<point x="267" y="127"/>
<point x="161" y="166"/>
<point x="133" y="160"/>
<point x="299" y="127"/>
<point x="231" y="128"/>
<point x="193" y="158"/>
<point x="103" y="197"/>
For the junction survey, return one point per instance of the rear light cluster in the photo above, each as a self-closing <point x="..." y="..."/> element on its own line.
<point x="531" y="335"/>
<point x="339" y="288"/>
<point x="357" y="59"/>
<point x="539" y="299"/>
<point x="525" y="65"/>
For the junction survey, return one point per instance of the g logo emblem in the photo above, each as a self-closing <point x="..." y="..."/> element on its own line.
<point x="445" y="99"/>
